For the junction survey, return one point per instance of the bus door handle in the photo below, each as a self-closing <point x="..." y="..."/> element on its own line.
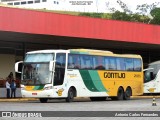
<point x="70" y="70"/>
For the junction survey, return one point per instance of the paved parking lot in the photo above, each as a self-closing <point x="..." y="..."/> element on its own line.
<point x="84" y="105"/>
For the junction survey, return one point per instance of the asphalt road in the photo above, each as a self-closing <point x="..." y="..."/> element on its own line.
<point x="83" y="104"/>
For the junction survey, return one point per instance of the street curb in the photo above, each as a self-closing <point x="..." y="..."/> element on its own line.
<point x="16" y="99"/>
<point x="145" y="96"/>
<point x="77" y="98"/>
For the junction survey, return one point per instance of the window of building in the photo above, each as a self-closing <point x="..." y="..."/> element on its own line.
<point x="10" y="3"/>
<point x="30" y="2"/>
<point x="23" y="3"/>
<point x="37" y="1"/>
<point x="44" y="0"/>
<point x="17" y="3"/>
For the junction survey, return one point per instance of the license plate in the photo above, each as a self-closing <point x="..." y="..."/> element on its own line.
<point x="34" y="93"/>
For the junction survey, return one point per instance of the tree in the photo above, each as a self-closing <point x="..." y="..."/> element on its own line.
<point x="145" y="9"/>
<point x="142" y="16"/>
<point x="156" y="16"/>
<point x="121" y="16"/>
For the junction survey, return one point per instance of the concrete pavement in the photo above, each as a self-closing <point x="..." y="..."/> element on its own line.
<point x="3" y="92"/>
<point x="18" y="96"/>
<point x="16" y="99"/>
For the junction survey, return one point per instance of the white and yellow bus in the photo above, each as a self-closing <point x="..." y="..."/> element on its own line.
<point x="152" y="78"/>
<point x="73" y="73"/>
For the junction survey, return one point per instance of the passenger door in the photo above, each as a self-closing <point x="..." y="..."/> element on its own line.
<point x="59" y="69"/>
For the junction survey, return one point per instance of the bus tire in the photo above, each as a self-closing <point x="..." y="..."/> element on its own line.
<point x="128" y="94"/>
<point x="97" y="98"/>
<point x="93" y="98"/>
<point x="70" y="96"/>
<point x="43" y="100"/>
<point x="113" y="98"/>
<point x="120" y="93"/>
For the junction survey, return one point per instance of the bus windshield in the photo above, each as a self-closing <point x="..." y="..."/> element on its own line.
<point x="36" y="69"/>
<point x="152" y="72"/>
<point x="156" y="68"/>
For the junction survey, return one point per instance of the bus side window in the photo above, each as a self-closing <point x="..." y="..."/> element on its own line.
<point x="106" y="63"/>
<point x="112" y="63"/>
<point x="98" y="63"/>
<point x="129" y="64"/>
<point x="70" y="62"/>
<point x="137" y="65"/>
<point x="73" y="61"/>
<point x="86" y="62"/>
<point x="120" y="64"/>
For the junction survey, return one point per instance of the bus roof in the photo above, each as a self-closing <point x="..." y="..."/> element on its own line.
<point x="48" y="51"/>
<point x="87" y="52"/>
<point x="101" y="52"/>
<point x="155" y="63"/>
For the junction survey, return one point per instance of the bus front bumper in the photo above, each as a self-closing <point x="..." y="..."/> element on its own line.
<point x="37" y="94"/>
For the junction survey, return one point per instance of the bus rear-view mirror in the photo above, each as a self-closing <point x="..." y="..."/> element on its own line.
<point x="18" y="67"/>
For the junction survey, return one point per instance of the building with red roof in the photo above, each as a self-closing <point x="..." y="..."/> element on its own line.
<point x="24" y="30"/>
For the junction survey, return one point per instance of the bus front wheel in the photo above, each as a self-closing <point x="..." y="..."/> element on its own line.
<point x="70" y="95"/>
<point x="43" y="100"/>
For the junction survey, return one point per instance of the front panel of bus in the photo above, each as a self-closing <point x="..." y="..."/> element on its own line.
<point x="152" y="79"/>
<point x="38" y="80"/>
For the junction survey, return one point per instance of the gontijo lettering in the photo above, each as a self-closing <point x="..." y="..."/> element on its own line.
<point x="114" y="75"/>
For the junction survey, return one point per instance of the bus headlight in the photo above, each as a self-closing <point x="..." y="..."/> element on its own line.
<point x="48" y="87"/>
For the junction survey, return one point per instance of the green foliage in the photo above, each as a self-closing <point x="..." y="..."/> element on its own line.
<point x="144" y="8"/>
<point x="156" y="16"/>
<point x="117" y="15"/>
<point x="130" y="17"/>
<point x="121" y="16"/>
<point x="95" y="15"/>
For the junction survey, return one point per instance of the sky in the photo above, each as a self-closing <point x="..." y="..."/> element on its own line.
<point x="132" y="4"/>
<point x="103" y="6"/>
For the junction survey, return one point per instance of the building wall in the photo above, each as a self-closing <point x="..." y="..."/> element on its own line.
<point x="6" y="65"/>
